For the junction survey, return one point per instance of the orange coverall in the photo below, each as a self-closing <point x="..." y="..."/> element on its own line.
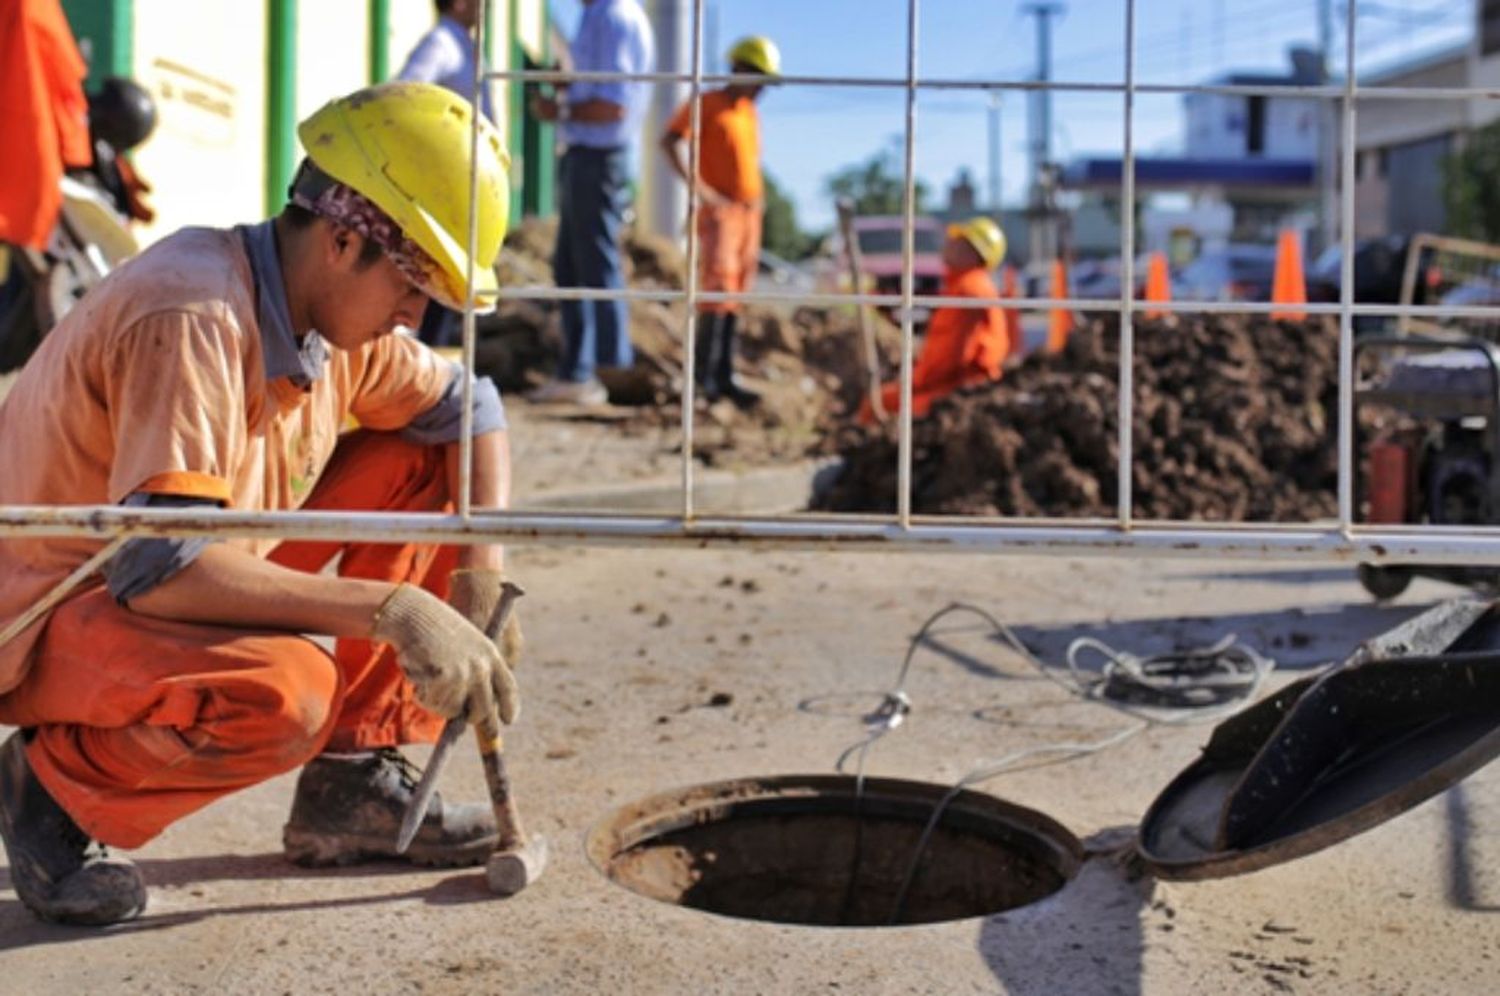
<point x="729" y="234"/>
<point x="185" y="714"/>
<point x="43" y="117"/>
<point x="963" y="346"/>
<point x="156" y="383"/>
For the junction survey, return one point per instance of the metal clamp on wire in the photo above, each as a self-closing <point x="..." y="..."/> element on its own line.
<point x="889" y="714"/>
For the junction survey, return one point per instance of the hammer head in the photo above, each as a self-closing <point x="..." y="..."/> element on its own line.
<point x="511" y="870"/>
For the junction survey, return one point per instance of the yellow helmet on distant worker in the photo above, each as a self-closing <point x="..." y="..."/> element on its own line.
<point x="759" y="53"/>
<point x="405" y="147"/>
<point x="985" y="236"/>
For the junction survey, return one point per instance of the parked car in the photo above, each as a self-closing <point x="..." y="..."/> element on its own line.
<point x="1100" y="278"/>
<point x="880" y="239"/>
<point x="1240" y="271"/>
<point x="1379" y="268"/>
<point x="1379" y="265"/>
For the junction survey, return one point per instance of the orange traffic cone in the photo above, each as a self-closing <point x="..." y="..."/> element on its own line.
<point x="1012" y="315"/>
<point x="1289" y="285"/>
<point x="1158" y="286"/>
<point x="1060" y="322"/>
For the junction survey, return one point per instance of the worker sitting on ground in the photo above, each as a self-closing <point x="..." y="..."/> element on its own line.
<point x="963" y="346"/>
<point x="731" y="198"/>
<point x="216" y="370"/>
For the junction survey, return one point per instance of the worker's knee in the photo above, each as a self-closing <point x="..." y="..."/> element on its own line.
<point x="284" y="716"/>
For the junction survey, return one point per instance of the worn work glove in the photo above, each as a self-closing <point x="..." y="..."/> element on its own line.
<point x="476" y="594"/>
<point x="456" y="669"/>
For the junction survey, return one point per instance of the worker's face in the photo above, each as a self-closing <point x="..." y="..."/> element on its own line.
<point x="361" y="302"/>
<point x="958" y="254"/>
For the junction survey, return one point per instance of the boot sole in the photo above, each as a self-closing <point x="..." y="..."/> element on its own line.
<point x="313" y="849"/>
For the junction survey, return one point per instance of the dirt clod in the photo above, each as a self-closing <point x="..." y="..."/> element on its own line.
<point x="1234" y="419"/>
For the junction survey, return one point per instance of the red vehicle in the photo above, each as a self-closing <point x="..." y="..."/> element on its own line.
<point x="880" y="239"/>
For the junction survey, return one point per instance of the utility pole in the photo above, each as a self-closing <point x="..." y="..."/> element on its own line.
<point x="1042" y="229"/>
<point x="997" y="191"/>
<point x="662" y="204"/>
<point x="1328" y="141"/>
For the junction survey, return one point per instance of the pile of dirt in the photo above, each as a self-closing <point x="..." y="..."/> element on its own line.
<point x="1235" y="420"/>
<point x="808" y="363"/>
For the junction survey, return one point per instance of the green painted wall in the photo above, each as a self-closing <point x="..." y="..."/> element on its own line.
<point x="380" y="25"/>
<point x="281" y="100"/>
<point x="531" y="142"/>
<point x="105" y="30"/>
<point x="539" y="145"/>
<point x="516" y="113"/>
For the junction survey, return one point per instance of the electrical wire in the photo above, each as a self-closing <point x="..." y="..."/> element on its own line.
<point x="1189" y="686"/>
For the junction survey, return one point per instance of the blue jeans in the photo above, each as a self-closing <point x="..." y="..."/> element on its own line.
<point x="592" y="194"/>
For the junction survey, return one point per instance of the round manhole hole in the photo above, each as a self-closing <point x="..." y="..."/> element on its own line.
<point x="797" y="849"/>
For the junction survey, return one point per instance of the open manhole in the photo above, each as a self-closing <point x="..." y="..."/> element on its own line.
<point x="802" y="849"/>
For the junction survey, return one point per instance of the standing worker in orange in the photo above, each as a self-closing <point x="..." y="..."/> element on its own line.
<point x="963" y="346"/>
<point x="216" y="369"/>
<point x="731" y="201"/>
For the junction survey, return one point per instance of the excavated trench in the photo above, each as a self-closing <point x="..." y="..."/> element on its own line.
<point x="805" y="849"/>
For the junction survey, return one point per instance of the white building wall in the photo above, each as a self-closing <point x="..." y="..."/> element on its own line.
<point x="1291" y="128"/>
<point x="333" y="56"/>
<point x="205" y="66"/>
<point x="1219" y="127"/>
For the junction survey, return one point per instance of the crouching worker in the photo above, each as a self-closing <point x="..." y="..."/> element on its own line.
<point x="963" y="346"/>
<point x="216" y="370"/>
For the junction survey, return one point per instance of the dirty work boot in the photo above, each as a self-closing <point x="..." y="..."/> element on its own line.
<point x="59" y="873"/>
<point x="348" y="808"/>
<point x="707" y="344"/>
<point x="728" y="385"/>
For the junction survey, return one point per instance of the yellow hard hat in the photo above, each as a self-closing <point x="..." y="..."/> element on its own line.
<point x="985" y="236"/>
<point x="759" y="53"/>
<point x="405" y="146"/>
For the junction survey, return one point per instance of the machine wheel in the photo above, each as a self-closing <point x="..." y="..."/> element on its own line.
<point x="1385" y="583"/>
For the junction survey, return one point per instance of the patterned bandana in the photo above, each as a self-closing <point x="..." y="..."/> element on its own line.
<point x="345" y="206"/>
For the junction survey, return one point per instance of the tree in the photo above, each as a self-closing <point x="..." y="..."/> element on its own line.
<point x="1471" y="186"/>
<point x="780" y="233"/>
<point x="875" y="186"/>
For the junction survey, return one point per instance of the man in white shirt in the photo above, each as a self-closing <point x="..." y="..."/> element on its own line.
<point x="447" y="53"/>
<point x="446" y="56"/>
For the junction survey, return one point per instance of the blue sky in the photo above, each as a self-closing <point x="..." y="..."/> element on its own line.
<point x="809" y="132"/>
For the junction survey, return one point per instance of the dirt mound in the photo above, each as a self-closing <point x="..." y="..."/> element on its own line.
<point x="1234" y="420"/>
<point x="808" y="362"/>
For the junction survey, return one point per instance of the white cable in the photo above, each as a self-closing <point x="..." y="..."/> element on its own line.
<point x="1196" y="685"/>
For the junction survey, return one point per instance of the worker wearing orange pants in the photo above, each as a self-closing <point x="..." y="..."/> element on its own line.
<point x="184" y="714"/>
<point x="964" y="346"/>
<point x="731" y="193"/>
<point x="217" y="370"/>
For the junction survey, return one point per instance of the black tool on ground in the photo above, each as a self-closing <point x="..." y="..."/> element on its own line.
<point x="1405" y="717"/>
<point x="1440" y="461"/>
